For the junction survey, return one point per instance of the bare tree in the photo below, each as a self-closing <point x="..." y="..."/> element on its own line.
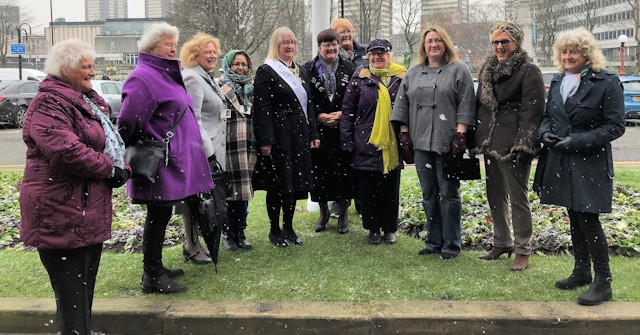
<point x="295" y="14"/>
<point x="409" y="20"/>
<point x="590" y="11"/>
<point x="367" y="18"/>
<point x="547" y="16"/>
<point x="8" y="25"/>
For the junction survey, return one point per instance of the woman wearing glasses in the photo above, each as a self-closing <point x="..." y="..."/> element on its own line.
<point x="510" y="102"/>
<point x="349" y="48"/>
<point x="286" y="131"/>
<point x="332" y="178"/>
<point x="434" y="108"/>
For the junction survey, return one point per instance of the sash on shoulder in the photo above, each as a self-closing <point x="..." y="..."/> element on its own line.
<point x="293" y="83"/>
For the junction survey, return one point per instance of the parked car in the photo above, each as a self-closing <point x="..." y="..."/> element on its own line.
<point x="546" y="77"/>
<point x="15" y="97"/>
<point x="111" y="92"/>
<point x="631" y="86"/>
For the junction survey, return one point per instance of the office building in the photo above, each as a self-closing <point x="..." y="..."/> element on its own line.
<point x="156" y="8"/>
<point x="100" y="10"/>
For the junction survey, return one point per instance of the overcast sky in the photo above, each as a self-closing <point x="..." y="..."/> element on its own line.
<point x="71" y="10"/>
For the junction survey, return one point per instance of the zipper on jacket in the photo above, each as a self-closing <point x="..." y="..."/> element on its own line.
<point x="84" y="197"/>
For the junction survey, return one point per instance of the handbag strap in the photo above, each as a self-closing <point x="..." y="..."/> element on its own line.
<point x="170" y="133"/>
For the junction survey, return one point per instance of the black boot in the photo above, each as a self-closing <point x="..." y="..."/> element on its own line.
<point x="324" y="217"/>
<point x="160" y="284"/>
<point x="229" y="241"/>
<point x="242" y="241"/>
<point x="599" y="291"/>
<point x="580" y="276"/>
<point x="343" y="218"/>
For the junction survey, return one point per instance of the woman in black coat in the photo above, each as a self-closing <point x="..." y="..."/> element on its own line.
<point x="584" y="113"/>
<point x="332" y="178"/>
<point x="286" y="131"/>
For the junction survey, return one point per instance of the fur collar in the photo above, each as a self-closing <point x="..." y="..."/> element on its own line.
<point x="496" y="71"/>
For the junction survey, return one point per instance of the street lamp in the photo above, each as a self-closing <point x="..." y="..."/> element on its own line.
<point x="19" y="29"/>
<point x="622" y="39"/>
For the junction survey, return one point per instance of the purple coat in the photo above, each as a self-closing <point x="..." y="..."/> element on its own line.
<point x="153" y="97"/>
<point x="358" y="113"/>
<point x="65" y="201"/>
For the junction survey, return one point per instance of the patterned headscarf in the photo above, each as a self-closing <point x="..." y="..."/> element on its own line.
<point x="242" y="84"/>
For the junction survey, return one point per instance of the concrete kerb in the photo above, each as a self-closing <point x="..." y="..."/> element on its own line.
<point x="159" y="316"/>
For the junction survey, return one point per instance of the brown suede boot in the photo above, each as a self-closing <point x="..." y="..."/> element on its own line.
<point x="520" y="263"/>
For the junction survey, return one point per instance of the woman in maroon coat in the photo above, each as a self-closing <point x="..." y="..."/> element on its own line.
<point x="74" y="158"/>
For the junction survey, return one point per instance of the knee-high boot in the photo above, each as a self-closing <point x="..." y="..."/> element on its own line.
<point x="600" y="290"/>
<point x="343" y="219"/>
<point x="321" y="224"/>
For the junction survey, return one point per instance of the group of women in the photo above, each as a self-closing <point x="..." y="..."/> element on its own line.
<point x="345" y="123"/>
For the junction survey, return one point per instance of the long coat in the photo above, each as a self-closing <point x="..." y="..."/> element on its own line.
<point x="510" y="104"/>
<point x="65" y="201"/>
<point x="281" y="123"/>
<point x="581" y="178"/>
<point x="208" y="106"/>
<point x="153" y="97"/>
<point x="332" y="179"/>
<point x="359" y="112"/>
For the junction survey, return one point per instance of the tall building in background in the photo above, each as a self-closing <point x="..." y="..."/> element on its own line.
<point x="445" y="13"/>
<point x="371" y="19"/>
<point x="156" y="8"/>
<point x="100" y="10"/>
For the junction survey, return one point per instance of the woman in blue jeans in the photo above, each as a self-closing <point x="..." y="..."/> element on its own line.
<point x="434" y="108"/>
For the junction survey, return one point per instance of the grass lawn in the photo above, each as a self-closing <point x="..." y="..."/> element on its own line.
<point x="333" y="267"/>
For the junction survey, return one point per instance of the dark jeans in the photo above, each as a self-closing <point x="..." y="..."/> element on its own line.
<point x="589" y="242"/>
<point x="441" y="202"/>
<point x="380" y="196"/>
<point x="153" y="238"/>
<point x="72" y="273"/>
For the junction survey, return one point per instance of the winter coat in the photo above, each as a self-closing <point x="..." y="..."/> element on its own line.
<point x="208" y="107"/>
<point x="358" y="114"/>
<point x="332" y="177"/>
<point x="280" y="122"/>
<point x="65" y="201"/>
<point x="432" y="128"/>
<point x="581" y="178"/>
<point x="510" y="104"/>
<point x="153" y="98"/>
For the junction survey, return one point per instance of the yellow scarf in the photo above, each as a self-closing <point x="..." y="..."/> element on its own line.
<point x="382" y="135"/>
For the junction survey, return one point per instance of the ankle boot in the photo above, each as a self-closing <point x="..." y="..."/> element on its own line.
<point x="324" y="217"/>
<point x="580" y="276"/>
<point x="243" y="243"/>
<point x="160" y="284"/>
<point x="229" y="241"/>
<point x="599" y="291"/>
<point x="343" y="218"/>
<point x="496" y="252"/>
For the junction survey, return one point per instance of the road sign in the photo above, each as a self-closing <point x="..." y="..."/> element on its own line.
<point x="18" y="49"/>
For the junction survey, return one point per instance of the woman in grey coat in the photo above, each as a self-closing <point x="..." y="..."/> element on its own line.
<point x="198" y="57"/>
<point x="585" y="112"/>
<point x="434" y="107"/>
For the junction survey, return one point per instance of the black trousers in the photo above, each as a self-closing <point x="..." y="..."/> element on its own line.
<point x="72" y="273"/>
<point x="380" y="196"/>
<point x="155" y="226"/>
<point x="589" y="242"/>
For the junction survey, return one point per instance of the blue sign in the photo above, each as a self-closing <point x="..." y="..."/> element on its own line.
<point x="18" y="49"/>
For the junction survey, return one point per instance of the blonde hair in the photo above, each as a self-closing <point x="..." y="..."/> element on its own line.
<point x="341" y="23"/>
<point x="585" y="42"/>
<point x="276" y="38"/>
<point x="153" y="33"/>
<point x="193" y="47"/>
<point x="450" y="54"/>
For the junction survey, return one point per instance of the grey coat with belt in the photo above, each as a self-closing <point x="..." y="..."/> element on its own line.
<point x="208" y="107"/>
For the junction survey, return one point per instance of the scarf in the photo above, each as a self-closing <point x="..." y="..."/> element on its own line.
<point x="570" y="83"/>
<point x="382" y="134"/>
<point x="242" y="85"/>
<point x="328" y="75"/>
<point x="114" y="145"/>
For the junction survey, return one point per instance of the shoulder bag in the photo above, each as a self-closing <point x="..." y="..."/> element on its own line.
<point x="144" y="155"/>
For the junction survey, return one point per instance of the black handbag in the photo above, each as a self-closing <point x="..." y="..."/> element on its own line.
<point x="221" y="178"/>
<point x="144" y="155"/>
<point x="460" y="168"/>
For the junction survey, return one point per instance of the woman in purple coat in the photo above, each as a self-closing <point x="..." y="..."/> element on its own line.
<point x="153" y="99"/>
<point x="74" y="157"/>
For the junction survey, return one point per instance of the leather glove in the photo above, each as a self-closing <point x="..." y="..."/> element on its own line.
<point x="564" y="144"/>
<point x="549" y="139"/>
<point x="212" y="158"/>
<point x="522" y="158"/>
<point x="405" y="141"/>
<point x="120" y="177"/>
<point x="459" y="144"/>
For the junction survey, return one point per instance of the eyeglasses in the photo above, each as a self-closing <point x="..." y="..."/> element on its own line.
<point x="433" y="41"/>
<point x="240" y="64"/>
<point x="377" y="52"/>
<point x="345" y="32"/>
<point x="288" y="42"/>
<point x="328" y="45"/>
<point x="503" y="42"/>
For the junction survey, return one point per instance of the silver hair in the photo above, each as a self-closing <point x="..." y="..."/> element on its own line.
<point x="153" y="33"/>
<point x="67" y="55"/>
